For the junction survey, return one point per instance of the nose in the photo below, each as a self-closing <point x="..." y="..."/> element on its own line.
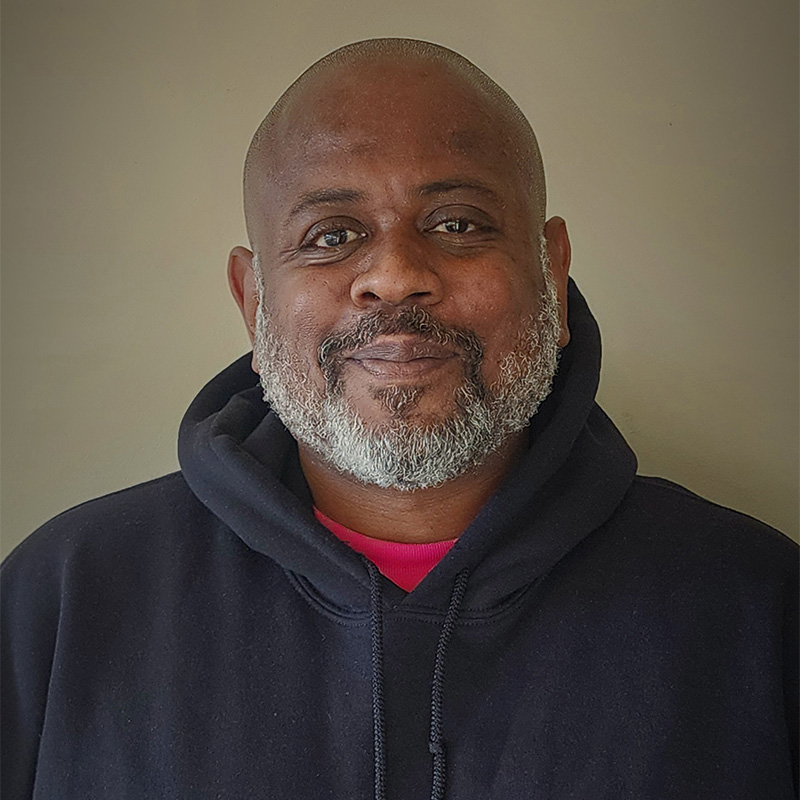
<point x="397" y="273"/>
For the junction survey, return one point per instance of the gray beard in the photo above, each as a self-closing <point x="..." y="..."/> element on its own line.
<point x="409" y="453"/>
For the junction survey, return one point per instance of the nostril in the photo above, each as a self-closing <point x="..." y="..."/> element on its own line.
<point x="395" y="279"/>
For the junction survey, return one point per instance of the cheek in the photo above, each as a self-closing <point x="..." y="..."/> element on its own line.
<point x="305" y="309"/>
<point x="496" y="304"/>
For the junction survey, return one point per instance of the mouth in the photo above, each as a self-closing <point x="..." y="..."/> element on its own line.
<point x="396" y="358"/>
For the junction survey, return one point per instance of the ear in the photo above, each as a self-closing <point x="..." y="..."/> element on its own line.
<point x="242" y="283"/>
<point x="560" y="251"/>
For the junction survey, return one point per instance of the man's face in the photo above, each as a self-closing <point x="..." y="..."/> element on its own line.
<point x="404" y="320"/>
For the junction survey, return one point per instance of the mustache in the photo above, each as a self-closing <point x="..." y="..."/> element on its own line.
<point x="410" y="320"/>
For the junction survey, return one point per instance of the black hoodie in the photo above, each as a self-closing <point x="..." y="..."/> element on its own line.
<point x="592" y="634"/>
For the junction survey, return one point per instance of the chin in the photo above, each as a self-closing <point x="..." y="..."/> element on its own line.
<point x="421" y="406"/>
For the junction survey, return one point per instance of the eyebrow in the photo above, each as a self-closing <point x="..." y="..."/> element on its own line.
<point x="323" y="197"/>
<point x="440" y="187"/>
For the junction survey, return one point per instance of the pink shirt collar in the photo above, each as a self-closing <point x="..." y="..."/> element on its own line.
<point x="402" y="563"/>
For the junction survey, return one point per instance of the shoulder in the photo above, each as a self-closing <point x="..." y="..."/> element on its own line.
<point x="682" y="531"/>
<point x="114" y="529"/>
<point x="665" y="503"/>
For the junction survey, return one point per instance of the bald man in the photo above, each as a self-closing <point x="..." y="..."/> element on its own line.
<point x="406" y="555"/>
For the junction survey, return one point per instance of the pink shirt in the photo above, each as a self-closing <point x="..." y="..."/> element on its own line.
<point x="403" y="564"/>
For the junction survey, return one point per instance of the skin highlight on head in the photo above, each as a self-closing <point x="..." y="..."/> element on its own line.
<point x="407" y="300"/>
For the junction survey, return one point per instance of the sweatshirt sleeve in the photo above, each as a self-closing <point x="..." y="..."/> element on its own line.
<point x="30" y="587"/>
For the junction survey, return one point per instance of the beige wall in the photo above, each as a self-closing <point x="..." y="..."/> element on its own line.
<point x="670" y="140"/>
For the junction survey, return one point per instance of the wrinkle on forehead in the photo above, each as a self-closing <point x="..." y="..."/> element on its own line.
<point x="465" y="141"/>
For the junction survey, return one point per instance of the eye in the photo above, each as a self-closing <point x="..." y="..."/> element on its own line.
<point x="455" y="226"/>
<point x="335" y="238"/>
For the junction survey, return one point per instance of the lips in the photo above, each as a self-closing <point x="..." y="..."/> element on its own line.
<point x="397" y="358"/>
<point x="398" y="346"/>
<point x="401" y="350"/>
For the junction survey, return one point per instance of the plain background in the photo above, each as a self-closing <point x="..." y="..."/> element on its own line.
<point x="669" y="134"/>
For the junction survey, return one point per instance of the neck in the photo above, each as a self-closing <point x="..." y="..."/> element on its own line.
<point x="414" y="517"/>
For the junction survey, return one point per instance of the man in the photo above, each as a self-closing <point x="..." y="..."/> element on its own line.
<point x="425" y="566"/>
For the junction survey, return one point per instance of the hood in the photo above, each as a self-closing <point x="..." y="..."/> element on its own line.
<point x="242" y="464"/>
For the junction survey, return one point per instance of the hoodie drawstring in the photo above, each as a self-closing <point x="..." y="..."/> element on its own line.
<point x="436" y="743"/>
<point x="378" y="721"/>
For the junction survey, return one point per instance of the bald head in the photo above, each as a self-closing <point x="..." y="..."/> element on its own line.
<point x="436" y="79"/>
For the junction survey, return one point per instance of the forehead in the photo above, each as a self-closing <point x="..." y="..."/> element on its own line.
<point x="395" y="121"/>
